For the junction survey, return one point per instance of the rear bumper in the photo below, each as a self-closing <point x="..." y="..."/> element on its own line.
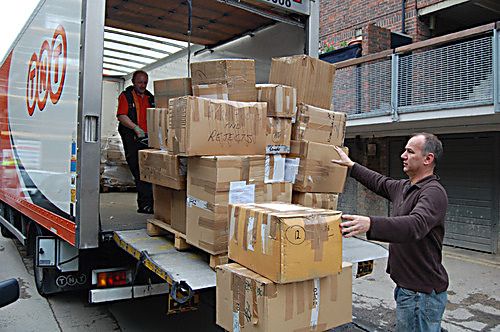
<point x="127" y="292"/>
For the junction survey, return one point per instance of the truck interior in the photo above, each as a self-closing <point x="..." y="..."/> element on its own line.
<point x="150" y="35"/>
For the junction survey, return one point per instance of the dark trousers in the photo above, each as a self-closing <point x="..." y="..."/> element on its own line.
<point x="132" y="146"/>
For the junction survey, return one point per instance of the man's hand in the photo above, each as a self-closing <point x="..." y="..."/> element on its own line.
<point x="354" y="225"/>
<point x="344" y="159"/>
<point x="139" y="132"/>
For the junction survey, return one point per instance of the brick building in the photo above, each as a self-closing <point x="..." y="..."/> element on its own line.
<point x="445" y="81"/>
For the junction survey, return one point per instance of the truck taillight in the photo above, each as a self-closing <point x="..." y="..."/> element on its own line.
<point x="113" y="278"/>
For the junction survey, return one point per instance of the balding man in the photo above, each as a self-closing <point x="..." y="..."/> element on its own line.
<point x="415" y="231"/>
<point x="132" y="115"/>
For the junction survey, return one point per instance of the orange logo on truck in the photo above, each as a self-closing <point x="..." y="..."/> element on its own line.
<point x="46" y="72"/>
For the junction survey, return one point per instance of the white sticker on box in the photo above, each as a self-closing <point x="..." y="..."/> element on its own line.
<point x="315" y="309"/>
<point x="291" y="169"/>
<point x="278" y="174"/>
<point x="195" y="202"/>
<point x="240" y="192"/>
<point x="251" y="221"/>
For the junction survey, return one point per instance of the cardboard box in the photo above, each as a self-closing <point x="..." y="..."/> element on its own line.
<point x="157" y="128"/>
<point x="281" y="99"/>
<point x="313" y="78"/>
<point x="164" y="169"/>
<point x="212" y="183"/>
<point x="319" y="125"/>
<point x="170" y="207"/>
<point x="162" y="203"/>
<point x="285" y="242"/>
<point x="275" y="168"/>
<point x="237" y="74"/>
<point x="310" y="169"/>
<point x="278" y="135"/>
<point x="178" y="220"/>
<point x="247" y="301"/>
<point x="201" y="127"/>
<point x="316" y="200"/>
<point x="166" y="89"/>
<point x="275" y="192"/>
<point x="211" y="91"/>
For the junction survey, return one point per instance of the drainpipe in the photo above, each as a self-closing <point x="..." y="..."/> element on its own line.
<point x="403" y="17"/>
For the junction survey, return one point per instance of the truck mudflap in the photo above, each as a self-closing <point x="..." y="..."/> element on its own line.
<point x="185" y="271"/>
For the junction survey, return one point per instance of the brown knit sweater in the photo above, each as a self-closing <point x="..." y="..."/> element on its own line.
<point x="415" y="230"/>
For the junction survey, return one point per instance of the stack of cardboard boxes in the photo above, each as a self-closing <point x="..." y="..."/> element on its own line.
<point x="288" y="274"/>
<point x="233" y="142"/>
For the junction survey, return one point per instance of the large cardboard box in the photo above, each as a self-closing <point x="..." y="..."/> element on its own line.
<point x="166" y="89"/>
<point x="164" y="169"/>
<point x="281" y="99"/>
<point x="314" y="171"/>
<point x="212" y="183"/>
<point x="275" y="192"/>
<point x="248" y="302"/>
<point x="278" y="135"/>
<point x="319" y="125"/>
<point x="316" y="200"/>
<point x="201" y="127"/>
<point x="237" y="74"/>
<point x="313" y="78"/>
<point x="285" y="242"/>
<point x="157" y="128"/>
<point x="170" y="207"/>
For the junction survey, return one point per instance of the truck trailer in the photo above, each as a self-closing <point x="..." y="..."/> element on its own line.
<point x="57" y="96"/>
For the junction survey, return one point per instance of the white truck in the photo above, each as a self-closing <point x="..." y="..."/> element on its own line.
<point x="52" y="116"/>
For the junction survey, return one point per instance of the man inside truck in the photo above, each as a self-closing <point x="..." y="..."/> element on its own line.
<point x="132" y="115"/>
<point x="415" y="231"/>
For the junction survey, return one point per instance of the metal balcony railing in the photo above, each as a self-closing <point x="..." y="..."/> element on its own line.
<point x="452" y="71"/>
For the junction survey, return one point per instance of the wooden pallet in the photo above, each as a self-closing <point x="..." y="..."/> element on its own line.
<point x="157" y="227"/>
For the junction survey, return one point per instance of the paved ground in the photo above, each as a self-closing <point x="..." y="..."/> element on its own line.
<point x="473" y="295"/>
<point x="473" y="301"/>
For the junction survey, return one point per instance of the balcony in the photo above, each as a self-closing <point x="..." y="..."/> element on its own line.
<point x="448" y="84"/>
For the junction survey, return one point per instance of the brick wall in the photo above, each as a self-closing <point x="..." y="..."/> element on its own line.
<point x="339" y="20"/>
<point x="375" y="39"/>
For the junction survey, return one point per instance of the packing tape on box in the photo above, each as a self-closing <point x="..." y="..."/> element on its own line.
<point x="333" y="287"/>
<point x="291" y="169"/>
<point x="238" y="290"/>
<point x="275" y="168"/>
<point x="233" y="224"/>
<point x="316" y="228"/>
<point x="255" y="310"/>
<point x="316" y="298"/>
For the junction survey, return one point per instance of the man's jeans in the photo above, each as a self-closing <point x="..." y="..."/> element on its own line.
<point x="417" y="311"/>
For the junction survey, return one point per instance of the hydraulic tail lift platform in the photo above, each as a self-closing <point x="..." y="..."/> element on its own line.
<point x="187" y="272"/>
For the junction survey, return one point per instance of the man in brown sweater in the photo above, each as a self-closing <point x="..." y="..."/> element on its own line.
<point x="415" y="231"/>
